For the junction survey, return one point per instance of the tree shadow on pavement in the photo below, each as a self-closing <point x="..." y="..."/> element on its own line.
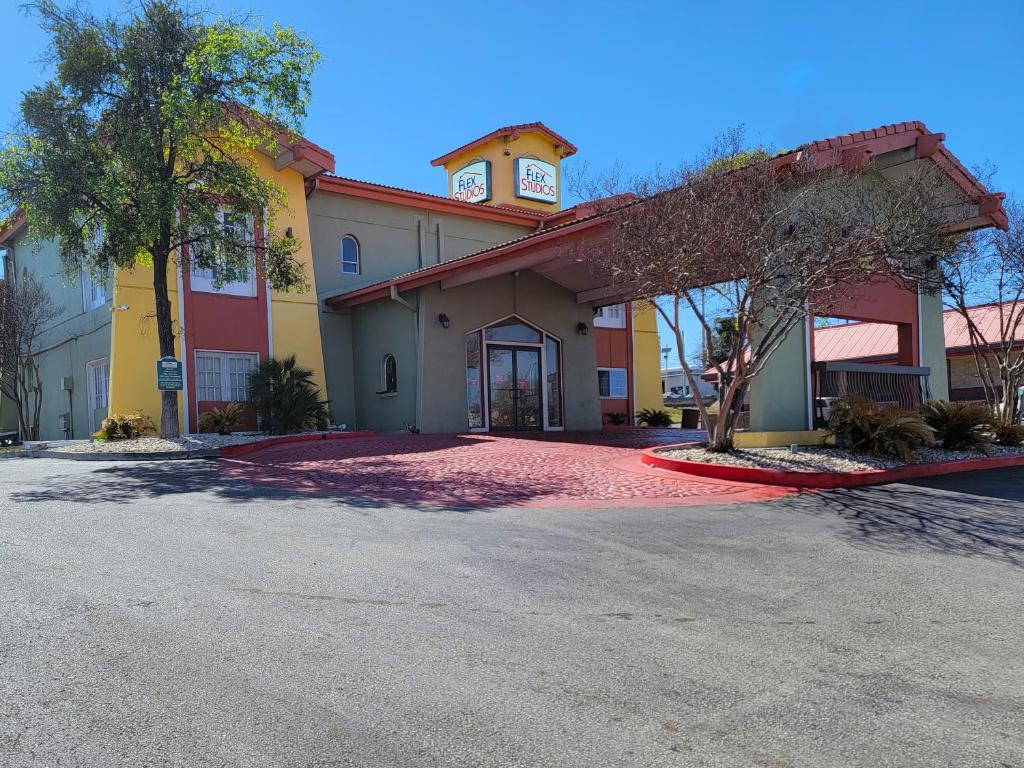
<point x="955" y="517"/>
<point x="392" y="485"/>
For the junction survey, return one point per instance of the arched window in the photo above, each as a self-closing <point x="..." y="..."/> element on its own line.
<point x="389" y="375"/>
<point x="349" y="255"/>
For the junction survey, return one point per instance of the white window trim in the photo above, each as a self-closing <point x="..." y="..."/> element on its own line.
<point x="625" y="384"/>
<point x="605" y="321"/>
<point x="341" y="255"/>
<point x="485" y="369"/>
<point x="200" y="283"/>
<point x="225" y="378"/>
<point x="89" y="302"/>
<point x="89" y="368"/>
<point x="384" y="391"/>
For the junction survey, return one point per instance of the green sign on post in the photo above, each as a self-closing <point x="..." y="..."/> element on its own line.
<point x="168" y="374"/>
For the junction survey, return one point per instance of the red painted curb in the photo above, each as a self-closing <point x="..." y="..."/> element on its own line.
<point x="231" y="451"/>
<point x="820" y="479"/>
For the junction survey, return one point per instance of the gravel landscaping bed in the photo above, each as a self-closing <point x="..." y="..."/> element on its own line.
<point x="825" y="459"/>
<point x="159" y="444"/>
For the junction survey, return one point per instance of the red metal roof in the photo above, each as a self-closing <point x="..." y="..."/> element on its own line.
<point x="859" y="341"/>
<point x="513" y="132"/>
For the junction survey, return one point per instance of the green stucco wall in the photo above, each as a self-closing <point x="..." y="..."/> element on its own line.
<point x="933" y="344"/>
<point x="533" y="298"/>
<point x="779" y="393"/>
<point x="67" y="344"/>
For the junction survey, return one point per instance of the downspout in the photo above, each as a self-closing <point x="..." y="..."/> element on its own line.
<point x="631" y="353"/>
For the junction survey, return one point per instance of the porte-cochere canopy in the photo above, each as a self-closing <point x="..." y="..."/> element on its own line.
<point x="545" y="251"/>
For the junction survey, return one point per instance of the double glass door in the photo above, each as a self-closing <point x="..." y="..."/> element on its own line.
<point x="514" y="387"/>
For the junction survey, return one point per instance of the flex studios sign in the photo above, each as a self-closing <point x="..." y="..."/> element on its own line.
<point x="536" y="180"/>
<point x="472" y="183"/>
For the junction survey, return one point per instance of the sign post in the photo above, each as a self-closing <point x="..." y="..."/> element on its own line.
<point x="168" y="375"/>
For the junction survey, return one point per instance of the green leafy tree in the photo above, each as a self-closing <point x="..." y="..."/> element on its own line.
<point x="147" y="134"/>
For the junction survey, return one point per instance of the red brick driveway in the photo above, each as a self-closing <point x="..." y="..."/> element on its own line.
<point x="489" y="470"/>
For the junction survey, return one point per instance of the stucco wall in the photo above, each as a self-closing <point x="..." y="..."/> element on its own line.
<point x="779" y="394"/>
<point x="393" y="239"/>
<point x="468" y="307"/>
<point x="933" y="344"/>
<point x="646" y="358"/>
<point x="64" y="347"/>
<point x="378" y="329"/>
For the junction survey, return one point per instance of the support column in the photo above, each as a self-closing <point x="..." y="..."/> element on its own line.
<point x="780" y="395"/>
<point x="933" y="343"/>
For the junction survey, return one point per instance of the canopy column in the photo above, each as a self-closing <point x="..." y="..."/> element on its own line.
<point x="780" y="395"/>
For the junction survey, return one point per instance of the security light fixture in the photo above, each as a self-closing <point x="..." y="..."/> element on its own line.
<point x="582" y="328"/>
<point x="443" y="320"/>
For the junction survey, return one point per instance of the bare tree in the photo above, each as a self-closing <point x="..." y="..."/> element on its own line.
<point x="25" y="308"/>
<point x="987" y="267"/>
<point x="767" y="236"/>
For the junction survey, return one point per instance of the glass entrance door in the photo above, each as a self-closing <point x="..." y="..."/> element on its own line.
<point x="514" y="387"/>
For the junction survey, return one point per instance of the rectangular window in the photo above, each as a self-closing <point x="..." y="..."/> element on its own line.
<point x="474" y="385"/>
<point x="224" y="376"/>
<point x="241" y="282"/>
<point x="611" y="382"/>
<point x="610" y="317"/>
<point x="97" y="383"/>
<point x="94" y="293"/>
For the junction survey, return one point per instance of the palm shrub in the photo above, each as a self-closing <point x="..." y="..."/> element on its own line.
<point x="285" y="397"/>
<point x="1008" y="434"/>
<point x="616" y="419"/>
<point x="221" y="420"/>
<point x="652" y="417"/>
<point x="960" y="426"/>
<point x="864" y="426"/>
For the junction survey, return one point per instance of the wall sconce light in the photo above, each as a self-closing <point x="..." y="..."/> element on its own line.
<point x="582" y="328"/>
<point x="443" y="320"/>
<point x="288" y="232"/>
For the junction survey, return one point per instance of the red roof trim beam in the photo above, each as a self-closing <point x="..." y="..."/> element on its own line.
<point x="512" y="132"/>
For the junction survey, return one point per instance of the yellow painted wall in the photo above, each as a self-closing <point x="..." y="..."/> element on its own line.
<point x="779" y="439"/>
<point x="646" y="357"/>
<point x="134" y="345"/>
<point x="295" y="327"/>
<point x="503" y="182"/>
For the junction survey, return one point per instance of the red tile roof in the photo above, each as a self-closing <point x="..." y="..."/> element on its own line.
<point x="512" y="131"/>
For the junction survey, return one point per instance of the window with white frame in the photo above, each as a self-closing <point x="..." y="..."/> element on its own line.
<point x="224" y="376"/>
<point x="611" y="382"/>
<point x="94" y="292"/>
<point x="349" y="255"/>
<point x="613" y="316"/>
<point x="243" y="281"/>
<point x="97" y="378"/>
<point x="388" y="375"/>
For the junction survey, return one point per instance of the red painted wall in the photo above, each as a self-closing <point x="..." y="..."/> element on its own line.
<point x="223" y="323"/>
<point x="615" y="350"/>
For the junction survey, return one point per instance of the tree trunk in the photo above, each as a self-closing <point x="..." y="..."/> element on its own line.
<point x="165" y="335"/>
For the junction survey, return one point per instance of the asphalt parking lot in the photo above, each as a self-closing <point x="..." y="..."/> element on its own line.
<point x="172" y="615"/>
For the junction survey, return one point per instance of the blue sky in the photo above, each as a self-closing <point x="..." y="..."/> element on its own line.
<point x="640" y="83"/>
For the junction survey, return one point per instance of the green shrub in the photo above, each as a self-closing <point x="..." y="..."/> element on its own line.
<point x="221" y="420"/>
<point x="1008" y="434"/>
<point x="616" y="419"/>
<point x="864" y="426"/>
<point x="959" y="426"/>
<point x="652" y="417"/>
<point x="285" y="397"/>
<point x="126" y="426"/>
